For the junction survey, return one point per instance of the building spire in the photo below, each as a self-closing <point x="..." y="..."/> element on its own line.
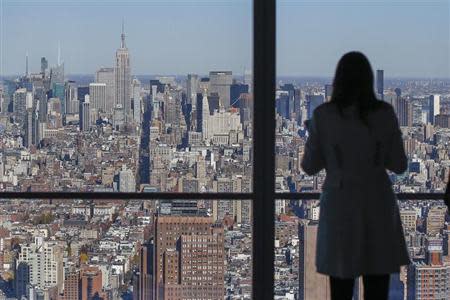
<point x="122" y="45"/>
<point x="59" y="53"/>
<point x="26" y="64"/>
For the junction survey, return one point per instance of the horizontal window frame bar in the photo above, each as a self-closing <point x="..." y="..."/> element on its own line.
<point x="400" y="196"/>
<point x="126" y="196"/>
<point x="188" y="196"/>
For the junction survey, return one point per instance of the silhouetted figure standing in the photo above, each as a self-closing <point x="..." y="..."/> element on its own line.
<point x="355" y="138"/>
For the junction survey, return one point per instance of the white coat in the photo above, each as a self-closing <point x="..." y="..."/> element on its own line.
<point x="360" y="230"/>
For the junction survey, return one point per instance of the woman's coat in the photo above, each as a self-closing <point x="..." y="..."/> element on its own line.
<point x="360" y="231"/>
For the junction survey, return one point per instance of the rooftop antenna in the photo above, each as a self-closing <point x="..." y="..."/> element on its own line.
<point x="59" y="53"/>
<point x="26" y="64"/>
<point x="123" y="34"/>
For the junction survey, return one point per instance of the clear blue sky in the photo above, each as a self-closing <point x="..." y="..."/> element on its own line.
<point x="406" y="38"/>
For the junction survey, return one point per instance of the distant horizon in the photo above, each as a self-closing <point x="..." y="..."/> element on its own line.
<point x="193" y="36"/>
<point x="237" y="75"/>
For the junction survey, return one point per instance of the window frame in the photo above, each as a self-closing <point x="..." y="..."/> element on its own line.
<point x="263" y="194"/>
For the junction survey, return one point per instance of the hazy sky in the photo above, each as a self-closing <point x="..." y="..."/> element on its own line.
<point x="406" y="38"/>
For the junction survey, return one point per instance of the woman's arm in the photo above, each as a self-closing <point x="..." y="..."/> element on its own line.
<point x="395" y="159"/>
<point x="313" y="160"/>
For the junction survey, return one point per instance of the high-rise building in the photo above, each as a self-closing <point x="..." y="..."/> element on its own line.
<point x="189" y="258"/>
<point x="57" y="74"/>
<point x="312" y="102"/>
<point x="44" y="65"/>
<point x="404" y="111"/>
<point x="429" y="279"/>
<point x="146" y="272"/>
<point x="58" y="91"/>
<point x="106" y="76"/>
<point x="97" y="96"/>
<point x="442" y="120"/>
<point x="328" y="92"/>
<point x="434" y="104"/>
<point x="85" y="117"/>
<point x="219" y="83"/>
<point x="136" y="100"/>
<point x="312" y="284"/>
<point x="192" y="89"/>
<point x="380" y="84"/>
<point x="91" y="283"/>
<point x="20" y="106"/>
<point x="72" y="285"/>
<point x="435" y="220"/>
<point x="127" y="180"/>
<point x="72" y="102"/>
<point x="40" y="264"/>
<point x="123" y="79"/>
<point x="236" y="90"/>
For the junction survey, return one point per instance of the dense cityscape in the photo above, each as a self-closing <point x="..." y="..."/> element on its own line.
<point x="115" y="132"/>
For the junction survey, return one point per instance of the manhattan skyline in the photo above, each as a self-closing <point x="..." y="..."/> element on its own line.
<point x="181" y="37"/>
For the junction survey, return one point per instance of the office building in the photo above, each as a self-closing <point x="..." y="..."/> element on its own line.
<point x="434" y="104"/>
<point x="123" y="79"/>
<point x="312" y="102"/>
<point x="404" y="112"/>
<point x="435" y="220"/>
<point x="44" y="66"/>
<point x="72" y="285"/>
<point x="220" y="83"/>
<point x="136" y="100"/>
<point x="236" y="90"/>
<point x="106" y="76"/>
<point x="39" y="264"/>
<point x="380" y="84"/>
<point x="127" y="180"/>
<point x="192" y="89"/>
<point x="20" y="106"/>
<point x="442" y="120"/>
<point x="85" y="114"/>
<point x="97" y="96"/>
<point x="429" y="279"/>
<point x="189" y="258"/>
<point x="328" y="92"/>
<point x="312" y="284"/>
<point x="91" y="283"/>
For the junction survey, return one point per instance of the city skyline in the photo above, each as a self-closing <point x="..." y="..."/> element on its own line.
<point x="168" y="40"/>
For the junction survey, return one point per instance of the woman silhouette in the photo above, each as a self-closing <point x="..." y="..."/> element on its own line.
<point x="355" y="138"/>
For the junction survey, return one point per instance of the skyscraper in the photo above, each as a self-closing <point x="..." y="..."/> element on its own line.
<point x="20" y="106"/>
<point x="434" y="107"/>
<point x="146" y="271"/>
<point x="91" y="283"/>
<point x="97" y="96"/>
<point x="127" y="181"/>
<point x="429" y="279"/>
<point x="220" y="83"/>
<point x="312" y="284"/>
<point x="85" y="122"/>
<point x="106" y="76"/>
<point x="312" y="102"/>
<point x="123" y="79"/>
<point x="191" y="89"/>
<point x="44" y="65"/>
<point x="404" y="111"/>
<point x="42" y="264"/>
<point x="136" y="99"/>
<point x="380" y="84"/>
<point x="189" y="258"/>
<point x="328" y="92"/>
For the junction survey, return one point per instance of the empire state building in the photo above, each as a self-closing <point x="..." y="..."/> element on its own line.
<point x="123" y="79"/>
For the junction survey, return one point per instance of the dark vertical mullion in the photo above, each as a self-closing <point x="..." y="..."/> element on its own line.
<point x="263" y="147"/>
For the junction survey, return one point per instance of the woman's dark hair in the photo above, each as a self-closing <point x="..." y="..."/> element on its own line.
<point x="353" y="84"/>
